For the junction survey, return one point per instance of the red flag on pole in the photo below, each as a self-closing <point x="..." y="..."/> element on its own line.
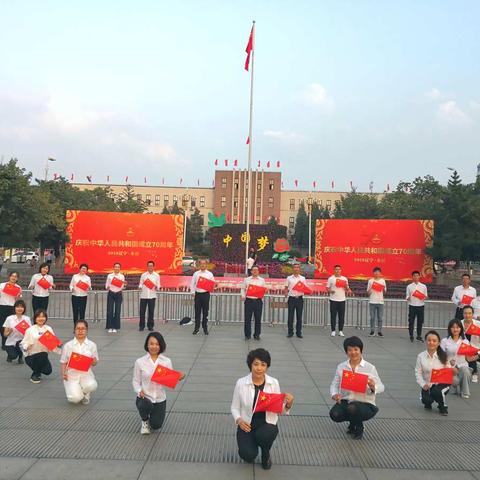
<point x="351" y="184"/>
<point x="248" y="140"/>
<point x="216" y="162"/>
<point x="268" y="164"/>
<point x="89" y="178"/>
<point x="181" y="181"/>
<point x="314" y="184"/>
<point x="278" y="164"/>
<point x="163" y="181"/>
<point x="333" y="184"/>
<point x="388" y="187"/>
<point x="249" y="49"/>
<point x="226" y="162"/>
<point x="71" y="177"/>
<point x="144" y="179"/>
<point x="296" y="183"/>
<point x="259" y="164"/>
<point x="235" y="163"/>
<point x="108" y="178"/>
<point x="198" y="182"/>
<point x="55" y="176"/>
<point x="126" y="179"/>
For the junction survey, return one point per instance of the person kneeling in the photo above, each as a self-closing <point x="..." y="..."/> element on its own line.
<point x="354" y="386"/>
<point x="78" y="356"/>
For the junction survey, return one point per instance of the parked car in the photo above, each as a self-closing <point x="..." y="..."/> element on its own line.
<point x="188" y="262"/>
<point x="23" y="257"/>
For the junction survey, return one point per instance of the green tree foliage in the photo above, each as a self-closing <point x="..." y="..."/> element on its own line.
<point x="301" y="227"/>
<point x="194" y="229"/>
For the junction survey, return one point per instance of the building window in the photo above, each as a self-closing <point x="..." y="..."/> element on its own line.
<point x="259" y="201"/>
<point x="235" y="204"/>
<point x="329" y="204"/>
<point x="291" y="222"/>
<point x="235" y="218"/>
<point x="292" y="204"/>
<point x="224" y="182"/>
<point x="139" y="197"/>
<point x="193" y="202"/>
<point x="202" y="201"/>
<point x="223" y="202"/>
<point x="271" y="185"/>
<point x="157" y="200"/>
<point x="165" y="200"/>
<point x="258" y="211"/>
<point x="175" y="200"/>
<point x="148" y="197"/>
<point x="320" y="203"/>
<point x="148" y="201"/>
<point x="259" y="186"/>
<point x="270" y="202"/>
<point x="235" y="185"/>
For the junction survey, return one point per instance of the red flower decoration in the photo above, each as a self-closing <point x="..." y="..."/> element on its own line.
<point x="281" y="245"/>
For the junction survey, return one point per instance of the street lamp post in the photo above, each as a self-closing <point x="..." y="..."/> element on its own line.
<point x="49" y="159"/>
<point x="309" y="203"/>
<point x="185" y="200"/>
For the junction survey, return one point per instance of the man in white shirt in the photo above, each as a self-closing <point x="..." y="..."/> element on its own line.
<point x="338" y="288"/>
<point x="416" y="296"/>
<point x="250" y="264"/>
<point x="376" y="287"/>
<point x="295" y="301"/>
<point x="463" y="295"/>
<point x="148" y="295"/>
<point x="253" y="305"/>
<point x="202" y="297"/>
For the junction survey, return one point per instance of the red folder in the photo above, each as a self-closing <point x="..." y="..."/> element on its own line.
<point x="442" y="375"/>
<point x="269" y="402"/>
<point x="418" y="294"/>
<point x="82" y="285"/>
<point x="22" y="327"/>
<point x="467" y="350"/>
<point x="466" y="300"/>
<point x="378" y="287"/>
<point x="80" y="362"/>
<point x="44" y="283"/>
<point x="49" y="340"/>
<point x="302" y="287"/>
<point x="340" y="283"/>
<point x="165" y="376"/>
<point x="12" y="290"/>
<point x="205" y="284"/>
<point x="116" y="282"/>
<point x="473" y="330"/>
<point x="256" y="291"/>
<point x="149" y="284"/>
<point x="355" y="382"/>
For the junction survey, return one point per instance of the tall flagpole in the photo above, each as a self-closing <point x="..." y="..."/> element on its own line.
<point x="249" y="189"/>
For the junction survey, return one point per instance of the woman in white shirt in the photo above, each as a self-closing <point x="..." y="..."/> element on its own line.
<point x="463" y="373"/>
<point x="256" y="429"/>
<point x="468" y="320"/>
<point x="151" y="399"/>
<point x="40" y="294"/>
<point x="114" y="298"/>
<point x="79" y="295"/>
<point x="14" y="336"/>
<point x="434" y="357"/>
<point x="7" y="301"/>
<point x="79" y="384"/>
<point x="36" y="354"/>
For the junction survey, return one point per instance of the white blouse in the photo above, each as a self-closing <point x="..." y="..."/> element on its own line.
<point x="8" y="299"/>
<point x="78" y="292"/>
<point x="11" y="322"/>
<point x="424" y="366"/>
<point x="142" y="374"/>
<point x="450" y="346"/>
<point x="114" y="288"/>
<point x="39" y="291"/>
<point x="31" y="339"/>
<point x="87" y="348"/>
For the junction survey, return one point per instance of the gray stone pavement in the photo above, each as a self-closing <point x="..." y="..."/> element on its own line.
<point x="43" y="437"/>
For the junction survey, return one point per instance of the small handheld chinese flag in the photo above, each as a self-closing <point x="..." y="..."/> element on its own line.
<point x="442" y="375"/>
<point x="256" y="291"/>
<point x="418" y="294"/>
<point x="302" y="287"/>
<point x="269" y="402"/>
<point x="44" y="283"/>
<point x="377" y="286"/>
<point x="205" y="284"/>
<point x="341" y="283"/>
<point x="149" y="284"/>
<point x="116" y="282"/>
<point x="165" y="376"/>
<point x="473" y="330"/>
<point x="80" y="362"/>
<point x="466" y="300"/>
<point x="82" y="285"/>
<point x="49" y="340"/>
<point x="22" y="327"/>
<point x="11" y="289"/>
<point x="467" y="350"/>
<point x="355" y="382"/>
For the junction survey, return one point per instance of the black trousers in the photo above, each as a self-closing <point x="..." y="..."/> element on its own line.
<point x="418" y="313"/>
<point x="5" y="311"/>
<point x="79" y="305"/>
<point x="263" y="436"/>
<point x="253" y="307"/>
<point x="202" y="304"/>
<point x="39" y="303"/>
<point x="144" y="303"/>
<point x="114" y="308"/>
<point x="295" y="306"/>
<point x="14" y="351"/>
<point x="436" y="393"/>
<point x="459" y="313"/>
<point x="354" y="412"/>
<point x="337" y="308"/>
<point x="155" y="412"/>
<point x="39" y="363"/>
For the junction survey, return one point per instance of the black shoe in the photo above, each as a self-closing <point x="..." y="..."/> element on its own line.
<point x="266" y="462"/>
<point x="205" y="331"/>
<point x="248" y="338"/>
<point x="256" y="337"/>
<point x="427" y="406"/>
<point x="9" y="360"/>
<point x="150" y="329"/>
<point x="358" y="434"/>
<point x="411" y="339"/>
<point x="141" y="329"/>
<point x="35" y="378"/>
<point x="443" y="411"/>
<point x="371" y="334"/>
<point x="419" y="339"/>
<point x="195" y="331"/>
<point x="20" y="361"/>
<point x="3" y="347"/>
<point x="299" y="335"/>
<point x="351" y="429"/>
<point x="290" y="335"/>
<point x="380" y="334"/>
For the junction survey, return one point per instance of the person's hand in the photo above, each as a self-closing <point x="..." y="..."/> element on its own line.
<point x="288" y="401"/>
<point x="94" y="363"/>
<point x="244" y="425"/>
<point x="141" y="394"/>
<point x="426" y="387"/>
<point x="371" y="384"/>
<point x="182" y="376"/>
<point x="337" y="397"/>
<point x="243" y="298"/>
<point x="349" y="292"/>
<point x="452" y="362"/>
<point x="65" y="376"/>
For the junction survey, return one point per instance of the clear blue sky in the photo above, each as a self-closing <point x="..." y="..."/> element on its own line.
<point x="357" y="90"/>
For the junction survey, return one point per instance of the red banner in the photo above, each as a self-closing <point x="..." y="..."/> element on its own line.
<point x="103" y="238"/>
<point x="396" y="246"/>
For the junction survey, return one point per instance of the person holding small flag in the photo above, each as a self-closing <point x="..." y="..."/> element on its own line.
<point x="151" y="373"/>
<point x="338" y="289"/>
<point x="9" y="292"/>
<point x="257" y="402"/>
<point x="471" y="328"/>
<point x="115" y="284"/>
<point x="252" y="292"/>
<point x="78" y="357"/>
<point x="80" y="284"/>
<point x="416" y="295"/>
<point x="41" y="283"/>
<point x="376" y="287"/>
<point x="463" y="295"/>
<point x="15" y="327"/>
<point x="201" y="286"/>
<point x="149" y="285"/>
<point x="354" y="387"/>
<point x="294" y="290"/>
<point x="434" y="373"/>
<point x="37" y="342"/>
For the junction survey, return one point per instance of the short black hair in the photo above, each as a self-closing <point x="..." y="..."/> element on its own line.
<point x="353" y="342"/>
<point x="466" y="275"/>
<point x="377" y="269"/>
<point x="20" y="303"/>
<point x="152" y="262"/>
<point x="14" y="272"/>
<point x="159" y="338"/>
<point x="83" y="265"/>
<point x="469" y="307"/>
<point x="457" y="322"/>
<point x="258" y="354"/>
<point x="43" y="265"/>
<point x="255" y="266"/>
<point x="39" y="312"/>
<point x="337" y="265"/>
<point x="118" y="263"/>
<point x="81" y="321"/>
<point x="414" y="272"/>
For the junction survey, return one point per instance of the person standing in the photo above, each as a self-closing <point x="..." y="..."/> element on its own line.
<point x="13" y="334"/>
<point x="376" y="287"/>
<point x="338" y="288"/>
<point x="41" y="283"/>
<point x="416" y="295"/>
<point x="10" y="292"/>
<point x="463" y="295"/>
<point x="80" y="284"/>
<point x="201" y="297"/>
<point x="250" y="264"/>
<point x="149" y="285"/>
<point x="253" y="305"/>
<point x="295" y="301"/>
<point x="467" y="322"/>
<point x="115" y="285"/>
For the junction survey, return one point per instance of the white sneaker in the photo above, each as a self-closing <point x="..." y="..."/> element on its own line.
<point x="474" y="378"/>
<point x="341" y="334"/>
<point x="466" y="395"/>
<point x="333" y="333"/>
<point x="110" y="330"/>
<point x="145" y="430"/>
<point x="114" y="331"/>
<point x="86" y="399"/>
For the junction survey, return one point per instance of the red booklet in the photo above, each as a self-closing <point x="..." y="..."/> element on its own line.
<point x="340" y="283"/>
<point x="149" y="284"/>
<point x="418" y="294"/>
<point x="12" y="290"/>
<point x="205" y="284"/>
<point x="473" y="330"/>
<point x="22" y="327"/>
<point x="44" y="283"/>
<point x="80" y="362"/>
<point x="467" y="350"/>
<point x="165" y="376"/>
<point x="82" y="285"/>
<point x="377" y="286"/>
<point x="256" y="291"/>
<point x="442" y="375"/>
<point x="302" y="287"/>
<point x="49" y="340"/>
<point x="355" y="382"/>
<point x="466" y="300"/>
<point x="269" y="402"/>
<point x="116" y="282"/>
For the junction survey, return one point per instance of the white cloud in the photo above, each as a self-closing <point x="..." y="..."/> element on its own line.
<point x="283" y="136"/>
<point x="449" y="111"/>
<point x="474" y="105"/>
<point x="435" y="94"/>
<point x="317" y="95"/>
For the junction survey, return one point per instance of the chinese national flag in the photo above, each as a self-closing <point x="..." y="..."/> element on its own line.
<point x="378" y="287"/>
<point x="82" y="285"/>
<point x="466" y="300"/>
<point x="355" y="382"/>
<point x="49" y="340"/>
<point x="269" y="402"/>
<point x="22" y="327"/>
<point x="165" y="376"/>
<point x="256" y="291"/>
<point x="149" y="284"/>
<point x="473" y="330"/>
<point x="80" y="362"/>
<point x="340" y="283"/>
<point x="302" y="287"/>
<point x="442" y="375"/>
<point x="44" y="283"/>
<point x="467" y="350"/>
<point x="418" y="294"/>
<point x="11" y="289"/>
<point x="205" y="284"/>
<point x="116" y="282"/>
<point x="248" y="50"/>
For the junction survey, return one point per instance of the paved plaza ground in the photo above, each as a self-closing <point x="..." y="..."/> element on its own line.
<point x="43" y="437"/>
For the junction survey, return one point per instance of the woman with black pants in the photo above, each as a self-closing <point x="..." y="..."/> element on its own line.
<point x="79" y="286"/>
<point x="115" y="284"/>
<point x="41" y="284"/>
<point x="259" y="429"/>
<point x="7" y="301"/>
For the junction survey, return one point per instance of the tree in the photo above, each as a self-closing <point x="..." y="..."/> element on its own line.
<point x="195" y="228"/>
<point x="301" y="227"/>
<point x="357" y="205"/>
<point x="127" y="201"/>
<point x="272" y="220"/>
